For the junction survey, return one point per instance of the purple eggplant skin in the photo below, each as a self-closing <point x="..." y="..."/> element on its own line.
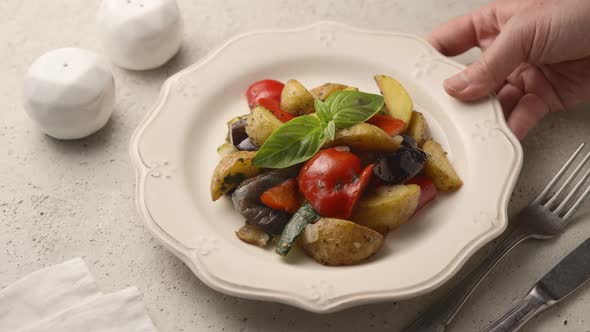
<point x="248" y="145"/>
<point x="409" y="142"/>
<point x="246" y="199"/>
<point x="237" y="132"/>
<point x="400" y="166"/>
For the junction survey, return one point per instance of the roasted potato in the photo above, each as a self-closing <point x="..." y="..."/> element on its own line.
<point x="231" y="171"/>
<point x="296" y="100"/>
<point x="252" y="235"/>
<point x="339" y="242"/>
<point x="324" y="91"/>
<point x="387" y="208"/>
<point x="397" y="100"/>
<point x="419" y="129"/>
<point x="261" y="124"/>
<point x="439" y="168"/>
<point x="226" y="149"/>
<point x="366" y="137"/>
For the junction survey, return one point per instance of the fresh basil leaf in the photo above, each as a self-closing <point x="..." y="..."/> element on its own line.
<point x="348" y="108"/>
<point x="330" y="130"/>
<point x="294" y="142"/>
<point x="322" y="111"/>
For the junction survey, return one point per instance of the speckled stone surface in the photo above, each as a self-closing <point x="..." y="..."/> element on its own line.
<point x="60" y="200"/>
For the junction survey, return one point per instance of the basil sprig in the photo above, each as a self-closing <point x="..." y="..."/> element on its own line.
<point x="301" y="138"/>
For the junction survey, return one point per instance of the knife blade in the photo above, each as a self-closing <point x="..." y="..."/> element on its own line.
<point x="566" y="277"/>
<point x="569" y="274"/>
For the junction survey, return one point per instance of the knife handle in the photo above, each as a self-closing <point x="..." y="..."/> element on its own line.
<point x="536" y="301"/>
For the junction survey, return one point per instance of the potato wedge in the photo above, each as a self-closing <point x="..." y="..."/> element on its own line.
<point x="339" y="242"/>
<point x="261" y="124"/>
<point x="365" y="137"/>
<point x="439" y="168"/>
<point x="322" y="92"/>
<point x="388" y="208"/>
<point x="252" y="235"/>
<point x="397" y="100"/>
<point x="231" y="171"/>
<point x="296" y="100"/>
<point x="418" y="129"/>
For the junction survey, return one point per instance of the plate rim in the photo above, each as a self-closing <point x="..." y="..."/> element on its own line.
<point x="191" y="259"/>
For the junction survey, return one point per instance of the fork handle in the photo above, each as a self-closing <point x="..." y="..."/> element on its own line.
<point x="442" y="313"/>
<point x="536" y="301"/>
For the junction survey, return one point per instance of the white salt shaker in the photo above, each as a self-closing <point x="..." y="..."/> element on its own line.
<point x="140" y="34"/>
<point x="69" y="93"/>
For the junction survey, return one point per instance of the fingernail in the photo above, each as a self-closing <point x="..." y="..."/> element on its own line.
<point x="457" y="83"/>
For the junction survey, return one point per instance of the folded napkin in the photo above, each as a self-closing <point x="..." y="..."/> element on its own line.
<point x="65" y="297"/>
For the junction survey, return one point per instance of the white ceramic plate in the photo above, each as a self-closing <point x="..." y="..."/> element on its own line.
<point x="174" y="154"/>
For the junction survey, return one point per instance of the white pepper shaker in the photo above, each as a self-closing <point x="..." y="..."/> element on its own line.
<point x="69" y="93"/>
<point x="140" y="34"/>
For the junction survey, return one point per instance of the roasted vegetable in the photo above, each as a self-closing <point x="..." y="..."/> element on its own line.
<point x="365" y="137"/>
<point x="239" y="132"/>
<point x="339" y="242"/>
<point x="439" y="168"/>
<point x="397" y="100"/>
<point x="231" y="171"/>
<point x="391" y="126"/>
<point x="252" y="235"/>
<point x="304" y="216"/>
<point x="409" y="142"/>
<point x="261" y="124"/>
<point x="269" y="89"/>
<point x="247" y="145"/>
<point x="400" y="166"/>
<point x="368" y="157"/>
<point x="282" y="197"/>
<point x="428" y="191"/>
<point x="419" y="129"/>
<point x="332" y="181"/>
<point x="324" y="91"/>
<point x="274" y="106"/>
<point x="296" y="100"/>
<point x="247" y="202"/>
<point x="387" y="208"/>
<point x="226" y="149"/>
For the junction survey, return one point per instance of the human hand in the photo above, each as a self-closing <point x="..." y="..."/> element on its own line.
<point x="536" y="57"/>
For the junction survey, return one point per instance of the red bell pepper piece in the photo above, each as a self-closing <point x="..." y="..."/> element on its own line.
<point x="283" y="197"/>
<point x="390" y="125"/>
<point x="428" y="191"/>
<point x="275" y="108"/>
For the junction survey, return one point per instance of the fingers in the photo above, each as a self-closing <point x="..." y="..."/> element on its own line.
<point x="454" y="37"/>
<point x="509" y="96"/>
<point x="527" y="114"/>
<point x="527" y="97"/>
<point x="533" y="80"/>
<point x="491" y="70"/>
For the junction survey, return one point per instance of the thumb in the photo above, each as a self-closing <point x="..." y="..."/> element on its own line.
<point x="490" y="71"/>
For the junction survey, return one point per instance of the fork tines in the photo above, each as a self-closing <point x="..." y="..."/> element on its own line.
<point x="551" y="199"/>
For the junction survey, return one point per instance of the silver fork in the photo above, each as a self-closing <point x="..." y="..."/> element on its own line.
<point x="543" y="219"/>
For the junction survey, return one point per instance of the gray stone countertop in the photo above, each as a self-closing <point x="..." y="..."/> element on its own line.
<point x="59" y="200"/>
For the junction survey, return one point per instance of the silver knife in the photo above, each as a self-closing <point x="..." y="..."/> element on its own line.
<point x="565" y="278"/>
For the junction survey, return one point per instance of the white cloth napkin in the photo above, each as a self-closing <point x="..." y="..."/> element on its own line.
<point x="65" y="297"/>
